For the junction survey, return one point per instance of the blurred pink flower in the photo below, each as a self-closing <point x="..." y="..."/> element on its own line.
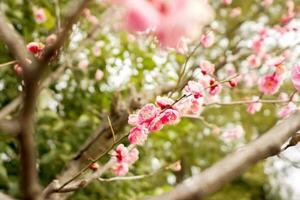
<point x="269" y="84"/>
<point x="215" y="87"/>
<point x="99" y="75"/>
<point x="164" y="102"/>
<point x="133" y="156"/>
<point x="236" y="12"/>
<point x="296" y="77"/>
<point x="234" y="133"/>
<point x="254" y="61"/>
<point x="207" y="39"/>
<point x="286" y="110"/>
<point x="83" y="64"/>
<point x="138" y="135"/>
<point x="254" y="106"/>
<point x="147" y="113"/>
<point x="170" y="117"/>
<point x="120" y="169"/>
<point x="227" y="2"/>
<point x="39" y="15"/>
<point x="121" y="153"/>
<point x="206" y="67"/>
<point x="194" y="88"/>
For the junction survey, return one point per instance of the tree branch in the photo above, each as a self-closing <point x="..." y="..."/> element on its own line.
<point x="13" y="41"/>
<point x="6" y="197"/>
<point x="224" y="171"/>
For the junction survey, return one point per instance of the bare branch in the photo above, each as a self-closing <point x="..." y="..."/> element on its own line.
<point x="6" y="197"/>
<point x="13" y="41"/>
<point x="9" y="126"/>
<point x="224" y="171"/>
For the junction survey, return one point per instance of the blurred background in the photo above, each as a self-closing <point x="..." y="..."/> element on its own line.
<point x="104" y="65"/>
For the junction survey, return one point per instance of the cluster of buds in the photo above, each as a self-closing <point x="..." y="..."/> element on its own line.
<point x="37" y="50"/>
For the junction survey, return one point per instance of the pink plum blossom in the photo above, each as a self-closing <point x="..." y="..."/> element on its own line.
<point x="254" y="106"/>
<point x="164" y="102"/>
<point x="147" y="113"/>
<point x="283" y="96"/>
<point x="120" y="169"/>
<point x="133" y="156"/>
<point x="296" y="77"/>
<point x="206" y="67"/>
<point x="257" y="45"/>
<point x="121" y="153"/>
<point x="155" y="125"/>
<point x="39" y="15"/>
<point x="138" y="135"/>
<point x="207" y="39"/>
<point x="286" y="110"/>
<point x="215" y="88"/>
<point x="170" y="117"/>
<point x="189" y="105"/>
<point x="269" y="84"/>
<point x="234" y="133"/>
<point x="254" y="61"/>
<point x="194" y="88"/>
<point x="133" y="119"/>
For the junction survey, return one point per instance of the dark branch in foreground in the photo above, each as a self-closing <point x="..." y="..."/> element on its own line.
<point x="32" y="75"/>
<point x="224" y="171"/>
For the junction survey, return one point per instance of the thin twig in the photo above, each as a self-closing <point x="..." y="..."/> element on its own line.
<point x="111" y="128"/>
<point x="8" y="63"/>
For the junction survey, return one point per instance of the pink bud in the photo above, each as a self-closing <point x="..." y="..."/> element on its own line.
<point x="207" y="39"/>
<point x="286" y="110"/>
<point x="35" y="47"/>
<point x="39" y="15"/>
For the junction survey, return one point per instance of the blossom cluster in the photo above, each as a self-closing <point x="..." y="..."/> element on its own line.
<point x="166" y="111"/>
<point x="36" y="49"/>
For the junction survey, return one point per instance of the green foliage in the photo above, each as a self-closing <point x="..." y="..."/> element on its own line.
<point x="77" y="99"/>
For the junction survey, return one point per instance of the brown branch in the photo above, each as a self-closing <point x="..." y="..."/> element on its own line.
<point x="9" y="126"/>
<point x="224" y="171"/>
<point x="6" y="197"/>
<point x="14" y="42"/>
<point x="32" y="74"/>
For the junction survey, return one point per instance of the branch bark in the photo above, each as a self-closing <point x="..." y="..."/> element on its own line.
<point x="32" y="75"/>
<point x="6" y="197"/>
<point x="224" y="171"/>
